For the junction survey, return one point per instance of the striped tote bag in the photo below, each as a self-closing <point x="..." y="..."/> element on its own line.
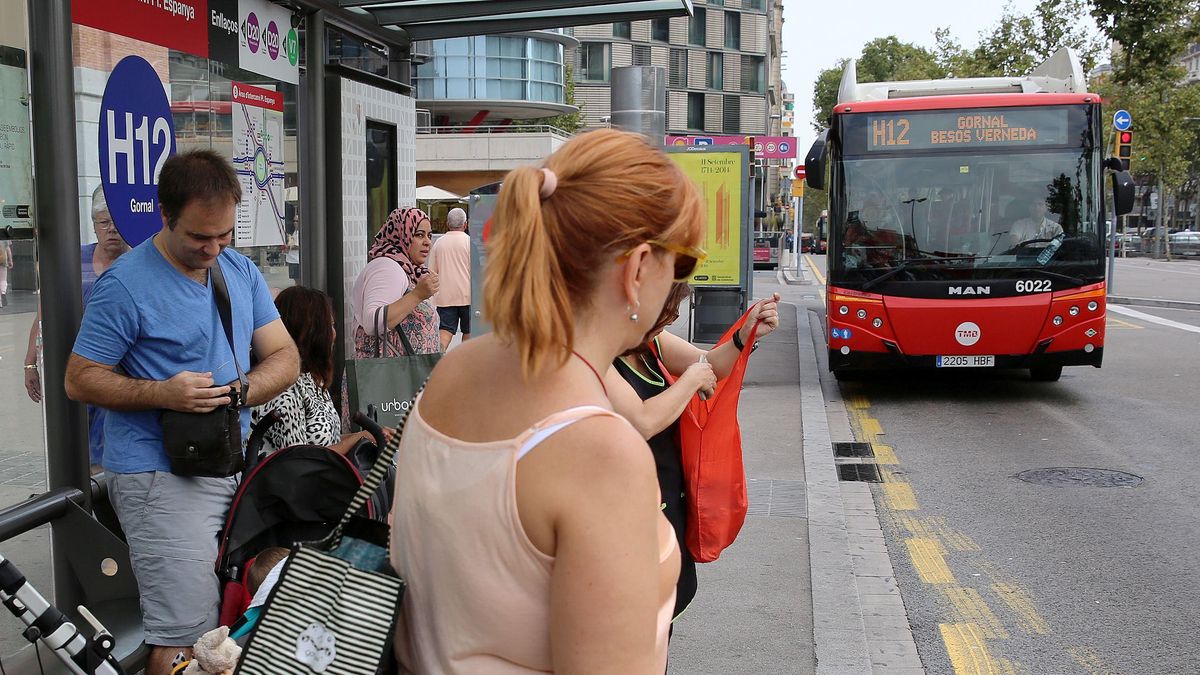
<point x="334" y="609"/>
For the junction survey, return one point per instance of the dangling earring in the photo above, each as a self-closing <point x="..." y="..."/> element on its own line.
<point x="634" y="317"/>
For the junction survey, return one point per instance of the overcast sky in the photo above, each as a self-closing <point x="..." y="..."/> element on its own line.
<point x="817" y="34"/>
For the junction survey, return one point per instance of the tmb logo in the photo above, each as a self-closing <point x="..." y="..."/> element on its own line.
<point x="967" y="333"/>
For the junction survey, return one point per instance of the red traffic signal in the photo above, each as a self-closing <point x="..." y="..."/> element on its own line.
<point x="1124" y="147"/>
<point x="1126" y="137"/>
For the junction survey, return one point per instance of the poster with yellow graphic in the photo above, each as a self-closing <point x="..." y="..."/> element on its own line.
<point x="720" y="177"/>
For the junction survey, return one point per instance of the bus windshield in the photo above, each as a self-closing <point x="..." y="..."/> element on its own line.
<point x="971" y="210"/>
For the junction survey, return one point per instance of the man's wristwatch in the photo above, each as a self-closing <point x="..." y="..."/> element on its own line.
<point x="30" y="366"/>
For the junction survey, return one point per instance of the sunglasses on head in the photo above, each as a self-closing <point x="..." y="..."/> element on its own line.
<point x="687" y="258"/>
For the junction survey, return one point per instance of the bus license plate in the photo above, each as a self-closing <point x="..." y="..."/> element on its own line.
<point x="977" y="361"/>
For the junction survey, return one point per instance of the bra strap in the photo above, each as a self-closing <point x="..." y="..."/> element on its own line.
<point x="552" y="424"/>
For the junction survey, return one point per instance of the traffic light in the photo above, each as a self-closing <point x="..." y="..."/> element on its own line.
<point x="1124" y="147"/>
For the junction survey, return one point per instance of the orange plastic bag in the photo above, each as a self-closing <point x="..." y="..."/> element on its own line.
<point x="711" y="441"/>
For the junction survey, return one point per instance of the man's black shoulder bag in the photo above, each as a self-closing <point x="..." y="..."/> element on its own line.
<point x="209" y="444"/>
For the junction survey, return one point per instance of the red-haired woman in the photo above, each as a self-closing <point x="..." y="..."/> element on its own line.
<point x="309" y="416"/>
<point x="526" y="519"/>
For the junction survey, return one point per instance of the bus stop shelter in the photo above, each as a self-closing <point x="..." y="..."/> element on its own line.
<point x="76" y="500"/>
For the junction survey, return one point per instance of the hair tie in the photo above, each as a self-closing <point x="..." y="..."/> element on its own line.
<point x="549" y="183"/>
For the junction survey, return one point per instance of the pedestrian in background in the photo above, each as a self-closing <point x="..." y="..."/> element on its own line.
<point x="397" y="278"/>
<point x="638" y="388"/>
<point x="95" y="259"/>
<point x="450" y="259"/>
<point x="154" y="314"/>
<point x="292" y="256"/>
<point x="6" y="264"/>
<point x="526" y="519"/>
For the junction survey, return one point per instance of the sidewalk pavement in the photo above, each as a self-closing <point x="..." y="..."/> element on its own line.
<point x="808" y="586"/>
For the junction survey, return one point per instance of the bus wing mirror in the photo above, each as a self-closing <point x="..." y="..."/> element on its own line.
<point x="814" y="162"/>
<point x="1122" y="192"/>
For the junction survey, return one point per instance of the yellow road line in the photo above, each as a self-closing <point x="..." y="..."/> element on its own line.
<point x="884" y="454"/>
<point x="927" y="559"/>
<point x="1022" y="605"/>
<point x="813" y="266"/>
<point x="857" y="402"/>
<point x="918" y="529"/>
<point x="871" y="427"/>
<point x="968" y="652"/>
<point x="970" y="607"/>
<point x="953" y="538"/>
<point x="899" y="496"/>
<point x="1118" y="323"/>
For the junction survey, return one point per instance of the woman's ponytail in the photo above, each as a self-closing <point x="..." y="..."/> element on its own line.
<point x="525" y="295"/>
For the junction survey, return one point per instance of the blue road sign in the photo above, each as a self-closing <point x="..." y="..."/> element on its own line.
<point x="1122" y="120"/>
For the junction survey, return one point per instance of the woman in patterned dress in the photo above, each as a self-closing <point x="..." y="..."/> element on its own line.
<point x="397" y="279"/>
<point x="309" y="416"/>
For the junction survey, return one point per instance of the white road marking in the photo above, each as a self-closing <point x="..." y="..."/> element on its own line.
<point x="1120" y="309"/>
<point x="1163" y="267"/>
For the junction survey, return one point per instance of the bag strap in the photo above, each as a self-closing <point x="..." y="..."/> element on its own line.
<point x="374" y="478"/>
<point x="381" y="350"/>
<point x="224" y="308"/>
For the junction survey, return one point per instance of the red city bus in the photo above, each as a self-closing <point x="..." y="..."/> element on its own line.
<point x="967" y="222"/>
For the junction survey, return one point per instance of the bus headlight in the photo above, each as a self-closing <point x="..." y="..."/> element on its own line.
<point x="1074" y="311"/>
<point x="878" y="323"/>
<point x="1058" y="321"/>
<point x="862" y="313"/>
<point x="1093" y="306"/>
<point x="843" y="310"/>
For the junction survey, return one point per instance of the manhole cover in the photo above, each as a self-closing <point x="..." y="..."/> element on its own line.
<point x="1077" y="476"/>
<point x="867" y="473"/>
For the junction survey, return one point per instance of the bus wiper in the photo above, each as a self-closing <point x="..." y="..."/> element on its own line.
<point x="913" y="262"/>
<point x="1054" y="275"/>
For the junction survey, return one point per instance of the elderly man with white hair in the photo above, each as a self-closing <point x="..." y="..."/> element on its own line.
<point x="451" y="259"/>
<point x="95" y="259"/>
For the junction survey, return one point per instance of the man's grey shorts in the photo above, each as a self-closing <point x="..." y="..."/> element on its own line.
<point x="172" y="523"/>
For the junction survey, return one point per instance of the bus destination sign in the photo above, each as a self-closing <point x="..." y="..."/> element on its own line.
<point x="978" y="128"/>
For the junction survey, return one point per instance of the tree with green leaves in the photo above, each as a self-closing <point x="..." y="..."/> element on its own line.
<point x="570" y="122"/>
<point x="882" y="59"/>
<point x="1012" y="47"/>
<point x="1149" y="37"/>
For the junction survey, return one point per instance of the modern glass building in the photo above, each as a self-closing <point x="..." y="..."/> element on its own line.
<point x="494" y="79"/>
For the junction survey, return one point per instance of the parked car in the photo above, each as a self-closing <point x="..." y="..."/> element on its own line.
<point x="1185" y="243"/>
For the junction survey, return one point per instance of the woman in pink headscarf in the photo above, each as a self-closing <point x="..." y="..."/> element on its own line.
<point x="397" y="279"/>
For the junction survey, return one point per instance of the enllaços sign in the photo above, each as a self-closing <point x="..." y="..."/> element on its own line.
<point x="137" y="135"/>
<point x="268" y="45"/>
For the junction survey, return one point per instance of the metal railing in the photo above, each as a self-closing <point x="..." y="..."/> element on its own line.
<point x="495" y="129"/>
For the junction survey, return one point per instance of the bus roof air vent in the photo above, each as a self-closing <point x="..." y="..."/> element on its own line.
<point x="1059" y="74"/>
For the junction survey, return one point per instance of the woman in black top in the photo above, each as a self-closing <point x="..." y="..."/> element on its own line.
<point x="639" y="391"/>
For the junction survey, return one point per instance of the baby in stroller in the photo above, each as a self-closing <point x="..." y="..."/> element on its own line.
<point x="260" y="579"/>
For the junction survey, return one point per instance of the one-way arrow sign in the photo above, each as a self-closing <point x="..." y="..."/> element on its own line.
<point x="1122" y="120"/>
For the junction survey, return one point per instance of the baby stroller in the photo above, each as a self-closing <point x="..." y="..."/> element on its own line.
<point x="293" y="495"/>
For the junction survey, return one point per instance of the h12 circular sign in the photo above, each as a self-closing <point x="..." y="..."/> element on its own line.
<point x="137" y="135"/>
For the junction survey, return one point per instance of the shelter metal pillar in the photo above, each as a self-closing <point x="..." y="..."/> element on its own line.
<point x="57" y="220"/>
<point x="314" y="183"/>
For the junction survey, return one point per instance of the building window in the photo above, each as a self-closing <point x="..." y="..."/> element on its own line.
<point x="720" y="3"/>
<point x="623" y="29"/>
<point x="678" y="71"/>
<point x="696" y="27"/>
<point x="754" y="74"/>
<point x="733" y="30"/>
<point x="716" y="70"/>
<point x="755" y="4"/>
<point x="660" y="30"/>
<point x="593" y="61"/>
<point x="641" y="55"/>
<point x="695" y="118"/>
<point x="731" y="114"/>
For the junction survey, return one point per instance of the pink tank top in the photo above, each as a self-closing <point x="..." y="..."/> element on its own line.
<point x="478" y="597"/>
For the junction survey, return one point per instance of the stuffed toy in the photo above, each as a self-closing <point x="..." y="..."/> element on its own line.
<point x="215" y="653"/>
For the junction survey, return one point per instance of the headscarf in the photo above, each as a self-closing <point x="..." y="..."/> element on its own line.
<point x="395" y="237"/>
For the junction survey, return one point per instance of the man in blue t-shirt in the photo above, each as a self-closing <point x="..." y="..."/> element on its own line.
<point x="153" y="314"/>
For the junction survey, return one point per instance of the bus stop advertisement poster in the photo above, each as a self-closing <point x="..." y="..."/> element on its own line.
<point x="721" y="284"/>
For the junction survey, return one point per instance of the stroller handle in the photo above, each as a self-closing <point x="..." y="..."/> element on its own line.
<point x="372" y="427"/>
<point x="258" y="436"/>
